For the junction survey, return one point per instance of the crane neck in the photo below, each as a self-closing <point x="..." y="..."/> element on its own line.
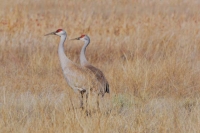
<point x="83" y="59"/>
<point x="64" y="60"/>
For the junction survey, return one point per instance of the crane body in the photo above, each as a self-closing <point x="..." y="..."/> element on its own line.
<point x="78" y="78"/>
<point x="103" y="86"/>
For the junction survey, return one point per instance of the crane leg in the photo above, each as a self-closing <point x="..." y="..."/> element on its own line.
<point x="98" y="108"/>
<point x="86" y="100"/>
<point x="81" y="99"/>
<point x="88" y="104"/>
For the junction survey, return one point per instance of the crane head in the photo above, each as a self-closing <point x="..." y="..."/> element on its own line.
<point x="58" y="32"/>
<point x="82" y="38"/>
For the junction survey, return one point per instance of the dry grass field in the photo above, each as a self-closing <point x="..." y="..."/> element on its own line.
<point x="148" y="50"/>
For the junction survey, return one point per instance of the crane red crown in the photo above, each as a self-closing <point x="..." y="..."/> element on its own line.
<point x="58" y="30"/>
<point x="82" y="36"/>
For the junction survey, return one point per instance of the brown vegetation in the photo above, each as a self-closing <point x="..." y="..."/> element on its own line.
<point x="148" y="50"/>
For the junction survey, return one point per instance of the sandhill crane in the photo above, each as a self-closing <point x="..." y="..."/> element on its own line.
<point x="104" y="86"/>
<point x="78" y="78"/>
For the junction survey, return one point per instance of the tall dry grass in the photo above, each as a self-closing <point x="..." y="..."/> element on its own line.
<point x="148" y="50"/>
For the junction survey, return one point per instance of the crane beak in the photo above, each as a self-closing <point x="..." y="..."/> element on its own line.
<point x="75" y="38"/>
<point x="52" y="33"/>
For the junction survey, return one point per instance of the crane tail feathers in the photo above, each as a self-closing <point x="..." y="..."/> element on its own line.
<point x="107" y="88"/>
